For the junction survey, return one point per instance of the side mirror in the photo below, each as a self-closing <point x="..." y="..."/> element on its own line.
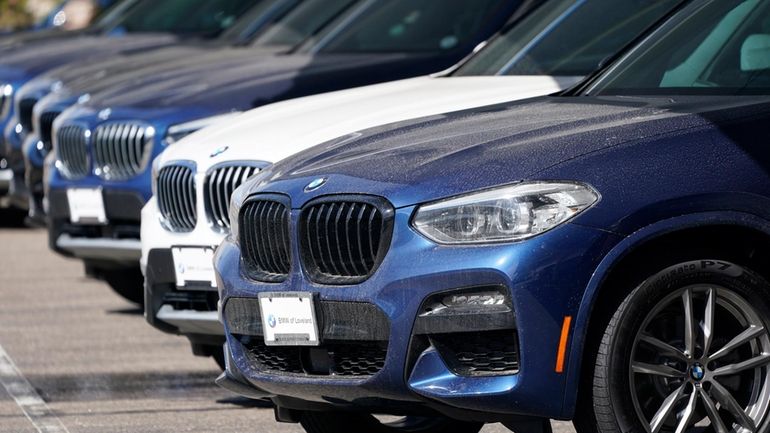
<point x="755" y="53"/>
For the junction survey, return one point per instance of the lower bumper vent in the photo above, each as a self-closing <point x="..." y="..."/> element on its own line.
<point x="354" y="359"/>
<point x="479" y="353"/>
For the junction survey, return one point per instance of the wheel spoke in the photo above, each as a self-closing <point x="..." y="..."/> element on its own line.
<point x="663" y="347"/>
<point x="687" y="414"/>
<point x="657" y="370"/>
<point x="689" y="324"/>
<point x="757" y="361"/>
<point x="659" y="420"/>
<point x="713" y="412"/>
<point x="708" y="322"/>
<point x="722" y="395"/>
<point x="749" y="334"/>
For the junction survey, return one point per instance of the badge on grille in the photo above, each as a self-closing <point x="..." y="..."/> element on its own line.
<point x="314" y="185"/>
<point x="219" y="151"/>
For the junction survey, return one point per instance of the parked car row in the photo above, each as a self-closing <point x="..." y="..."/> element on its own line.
<point x="450" y="212"/>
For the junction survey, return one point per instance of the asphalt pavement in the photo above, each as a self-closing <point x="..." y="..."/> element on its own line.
<point x="74" y="357"/>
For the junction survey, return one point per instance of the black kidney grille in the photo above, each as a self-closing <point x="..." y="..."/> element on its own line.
<point x="71" y="149"/>
<point x="219" y="186"/>
<point x="264" y="235"/>
<point x="343" y="242"/>
<point x="25" y="113"/>
<point x="176" y="197"/>
<point x="46" y="128"/>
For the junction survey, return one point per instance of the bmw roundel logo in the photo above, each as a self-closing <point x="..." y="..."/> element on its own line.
<point x="271" y="321"/>
<point x="219" y="151"/>
<point x="105" y="114"/>
<point x="697" y="372"/>
<point x="314" y="185"/>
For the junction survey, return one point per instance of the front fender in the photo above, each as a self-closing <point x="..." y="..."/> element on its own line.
<point x="617" y="253"/>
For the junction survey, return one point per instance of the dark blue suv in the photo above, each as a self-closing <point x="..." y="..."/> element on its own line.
<point x="599" y="255"/>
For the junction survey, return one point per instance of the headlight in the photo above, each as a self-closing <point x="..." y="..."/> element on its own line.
<point x="6" y="99"/>
<point x="236" y="202"/>
<point x="505" y="214"/>
<point x="182" y="130"/>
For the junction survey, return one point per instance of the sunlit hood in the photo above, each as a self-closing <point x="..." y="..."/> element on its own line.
<point x="441" y="156"/>
<point x="279" y="130"/>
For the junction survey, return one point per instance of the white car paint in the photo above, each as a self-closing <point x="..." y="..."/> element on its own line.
<point x="276" y="131"/>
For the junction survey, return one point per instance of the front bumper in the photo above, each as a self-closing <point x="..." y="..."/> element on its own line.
<point x="6" y="177"/>
<point x="544" y="278"/>
<point x="116" y="243"/>
<point x="190" y="311"/>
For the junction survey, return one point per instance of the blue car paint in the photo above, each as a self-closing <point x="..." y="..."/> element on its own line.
<point x="613" y="144"/>
<point x="190" y="95"/>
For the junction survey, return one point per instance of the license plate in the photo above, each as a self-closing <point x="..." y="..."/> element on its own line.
<point x="86" y="206"/>
<point x="194" y="267"/>
<point x="288" y="319"/>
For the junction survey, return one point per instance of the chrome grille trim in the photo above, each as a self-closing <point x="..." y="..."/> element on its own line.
<point x="219" y="185"/>
<point x="71" y="145"/>
<point x="122" y="150"/>
<point x="177" y="198"/>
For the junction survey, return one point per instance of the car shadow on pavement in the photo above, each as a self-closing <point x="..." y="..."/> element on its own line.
<point x="128" y="311"/>
<point x="119" y="386"/>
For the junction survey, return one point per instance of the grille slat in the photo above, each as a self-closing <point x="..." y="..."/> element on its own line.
<point x="177" y="200"/>
<point x="121" y="150"/>
<point x="351" y="245"/>
<point x="266" y="258"/>
<point x="71" y="147"/>
<point x="220" y="183"/>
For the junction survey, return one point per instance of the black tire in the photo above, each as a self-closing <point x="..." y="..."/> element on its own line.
<point x="128" y="283"/>
<point x="344" y="422"/>
<point x="612" y="394"/>
<point x="12" y="217"/>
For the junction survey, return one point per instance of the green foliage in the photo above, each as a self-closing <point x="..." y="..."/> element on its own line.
<point x="14" y="14"/>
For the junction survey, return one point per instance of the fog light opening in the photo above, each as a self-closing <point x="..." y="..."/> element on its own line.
<point x="468" y="302"/>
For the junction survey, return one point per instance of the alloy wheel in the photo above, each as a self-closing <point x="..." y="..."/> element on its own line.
<point x="700" y="363"/>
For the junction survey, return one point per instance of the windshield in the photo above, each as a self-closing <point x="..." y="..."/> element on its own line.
<point x="303" y="21"/>
<point x="717" y="47"/>
<point x="413" y="26"/>
<point x="566" y="37"/>
<point x="195" y="17"/>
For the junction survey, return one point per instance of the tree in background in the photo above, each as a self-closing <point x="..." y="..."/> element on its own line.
<point x="14" y="14"/>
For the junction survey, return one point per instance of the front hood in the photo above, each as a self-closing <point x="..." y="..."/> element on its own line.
<point x="279" y="130"/>
<point x="258" y="80"/>
<point x="441" y="156"/>
<point x="129" y="72"/>
<point x="43" y="57"/>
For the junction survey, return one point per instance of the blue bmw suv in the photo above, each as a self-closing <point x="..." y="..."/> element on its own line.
<point x="599" y="255"/>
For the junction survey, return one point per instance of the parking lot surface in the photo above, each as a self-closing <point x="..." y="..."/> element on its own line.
<point x="74" y="357"/>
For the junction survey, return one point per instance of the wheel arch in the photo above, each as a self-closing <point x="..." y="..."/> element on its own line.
<point x="740" y="237"/>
